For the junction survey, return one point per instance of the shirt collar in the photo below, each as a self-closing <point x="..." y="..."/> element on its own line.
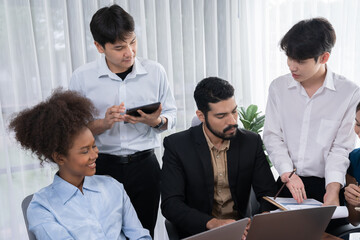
<point x="66" y="190"/>
<point x="103" y="69"/>
<point x="328" y="83"/>
<point x="138" y="67"/>
<point x="293" y="82"/>
<point x="224" y="146"/>
<point x="90" y="184"/>
<point x="329" y="80"/>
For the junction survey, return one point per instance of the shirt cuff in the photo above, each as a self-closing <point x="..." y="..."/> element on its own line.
<point x="284" y="167"/>
<point x="170" y="121"/>
<point x="335" y="177"/>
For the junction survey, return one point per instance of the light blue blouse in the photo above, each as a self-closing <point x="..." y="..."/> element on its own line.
<point x="104" y="211"/>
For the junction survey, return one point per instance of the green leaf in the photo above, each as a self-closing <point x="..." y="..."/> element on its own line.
<point x="261" y="118"/>
<point x="242" y="110"/>
<point x="251" y="118"/>
<point x="257" y="128"/>
<point x="259" y="121"/>
<point x="246" y="124"/>
<point x="268" y="159"/>
<point x="242" y="113"/>
<point x="251" y="112"/>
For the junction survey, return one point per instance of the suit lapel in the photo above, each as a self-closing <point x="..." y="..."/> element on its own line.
<point x="203" y="153"/>
<point x="233" y="160"/>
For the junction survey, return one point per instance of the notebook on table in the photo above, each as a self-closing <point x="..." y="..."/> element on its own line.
<point x="232" y="231"/>
<point x="299" y="224"/>
<point x="291" y="204"/>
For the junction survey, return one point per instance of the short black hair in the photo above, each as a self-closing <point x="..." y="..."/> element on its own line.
<point x="212" y="90"/>
<point x="110" y="24"/>
<point x="309" y="39"/>
<point x="358" y="107"/>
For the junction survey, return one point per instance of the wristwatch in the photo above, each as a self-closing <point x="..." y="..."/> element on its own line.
<point x="162" y="122"/>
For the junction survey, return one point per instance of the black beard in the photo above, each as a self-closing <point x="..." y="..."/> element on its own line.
<point x="221" y="134"/>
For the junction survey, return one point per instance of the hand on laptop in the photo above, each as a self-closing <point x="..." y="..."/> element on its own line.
<point x="295" y="186"/>
<point x="215" y="222"/>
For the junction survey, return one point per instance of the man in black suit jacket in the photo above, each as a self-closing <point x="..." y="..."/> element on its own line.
<point x="192" y="195"/>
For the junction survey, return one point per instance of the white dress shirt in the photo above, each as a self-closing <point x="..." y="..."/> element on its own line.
<point x="315" y="134"/>
<point x="147" y="83"/>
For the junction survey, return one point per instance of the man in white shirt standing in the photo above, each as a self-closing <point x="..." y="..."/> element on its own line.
<point x="120" y="80"/>
<point x="310" y="115"/>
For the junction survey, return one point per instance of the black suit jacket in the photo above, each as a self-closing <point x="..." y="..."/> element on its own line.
<point x="187" y="179"/>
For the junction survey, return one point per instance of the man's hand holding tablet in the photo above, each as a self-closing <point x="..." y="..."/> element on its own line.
<point x="148" y="114"/>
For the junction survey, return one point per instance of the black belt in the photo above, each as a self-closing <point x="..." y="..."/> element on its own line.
<point x="125" y="159"/>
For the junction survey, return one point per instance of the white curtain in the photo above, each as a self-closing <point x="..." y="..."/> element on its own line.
<point x="43" y="41"/>
<point x="264" y="22"/>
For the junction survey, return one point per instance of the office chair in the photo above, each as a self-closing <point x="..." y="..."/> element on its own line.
<point x="171" y="230"/>
<point x="24" y="205"/>
<point x="345" y="230"/>
<point x="195" y="121"/>
<point x="253" y="204"/>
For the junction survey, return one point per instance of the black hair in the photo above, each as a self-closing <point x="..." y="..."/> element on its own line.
<point x="358" y="107"/>
<point x="50" y="126"/>
<point x="309" y="39"/>
<point x="211" y="90"/>
<point x="110" y="24"/>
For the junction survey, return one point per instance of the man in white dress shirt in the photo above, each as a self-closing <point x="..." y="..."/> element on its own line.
<point x="309" y="116"/>
<point x="120" y="80"/>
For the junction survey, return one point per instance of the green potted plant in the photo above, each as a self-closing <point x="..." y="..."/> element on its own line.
<point x="252" y="120"/>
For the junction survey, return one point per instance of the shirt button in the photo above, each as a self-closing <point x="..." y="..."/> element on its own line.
<point x="220" y="174"/>
<point x="217" y="156"/>
<point x="219" y="191"/>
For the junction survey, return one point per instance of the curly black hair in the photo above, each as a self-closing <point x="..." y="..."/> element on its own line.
<point x="50" y="126"/>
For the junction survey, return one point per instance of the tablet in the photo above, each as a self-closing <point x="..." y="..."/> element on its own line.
<point x="149" y="108"/>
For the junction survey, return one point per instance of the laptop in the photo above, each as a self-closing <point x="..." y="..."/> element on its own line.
<point x="232" y="231"/>
<point x="309" y="224"/>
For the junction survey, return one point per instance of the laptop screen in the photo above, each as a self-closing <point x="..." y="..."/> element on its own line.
<point x="292" y="224"/>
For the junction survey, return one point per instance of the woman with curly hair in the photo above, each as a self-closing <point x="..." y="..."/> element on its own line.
<point x="77" y="205"/>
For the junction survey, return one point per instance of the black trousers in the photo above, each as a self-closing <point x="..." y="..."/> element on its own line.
<point x="141" y="180"/>
<point x="315" y="188"/>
